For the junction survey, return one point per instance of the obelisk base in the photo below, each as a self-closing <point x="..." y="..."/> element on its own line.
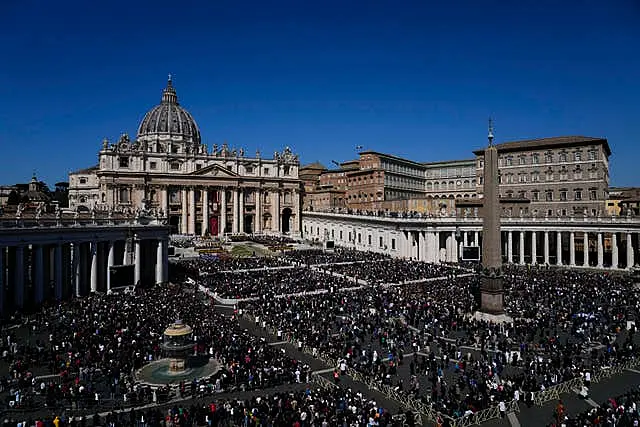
<point x="492" y="318"/>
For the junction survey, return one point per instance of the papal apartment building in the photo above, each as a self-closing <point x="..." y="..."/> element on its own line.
<point x="167" y="168"/>
<point x="560" y="176"/>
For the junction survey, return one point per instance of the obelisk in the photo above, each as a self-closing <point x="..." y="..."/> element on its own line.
<point x="491" y="289"/>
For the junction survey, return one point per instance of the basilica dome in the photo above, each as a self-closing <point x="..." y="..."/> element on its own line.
<point x="169" y="120"/>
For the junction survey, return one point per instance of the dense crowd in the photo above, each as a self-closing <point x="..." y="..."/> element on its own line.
<point x="339" y="255"/>
<point x="620" y="411"/>
<point x="392" y="270"/>
<point x="565" y="325"/>
<point x="94" y="346"/>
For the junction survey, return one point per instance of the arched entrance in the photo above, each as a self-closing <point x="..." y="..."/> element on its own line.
<point x="248" y="224"/>
<point x="286" y="220"/>
<point x="174" y="223"/>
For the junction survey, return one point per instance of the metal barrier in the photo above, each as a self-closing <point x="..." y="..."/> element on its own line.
<point x="552" y="393"/>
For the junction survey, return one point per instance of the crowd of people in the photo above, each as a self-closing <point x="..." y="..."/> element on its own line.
<point x="340" y="255"/>
<point x="392" y="270"/>
<point x="620" y="411"/>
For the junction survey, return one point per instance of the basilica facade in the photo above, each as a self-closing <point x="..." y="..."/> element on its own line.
<point x="201" y="191"/>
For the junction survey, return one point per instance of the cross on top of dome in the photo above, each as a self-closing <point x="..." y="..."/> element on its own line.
<point x="169" y="95"/>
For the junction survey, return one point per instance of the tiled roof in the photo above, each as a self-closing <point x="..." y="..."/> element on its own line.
<point x="553" y="142"/>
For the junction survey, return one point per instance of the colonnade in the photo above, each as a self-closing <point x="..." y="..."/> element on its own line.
<point x="59" y="263"/>
<point x="228" y="209"/>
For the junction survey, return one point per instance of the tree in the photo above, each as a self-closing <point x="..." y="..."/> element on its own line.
<point x="13" y="198"/>
<point x="61" y="194"/>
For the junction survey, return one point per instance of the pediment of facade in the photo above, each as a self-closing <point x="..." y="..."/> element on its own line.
<point x="215" y="171"/>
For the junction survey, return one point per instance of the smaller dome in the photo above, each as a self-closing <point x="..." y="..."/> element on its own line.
<point x="169" y="118"/>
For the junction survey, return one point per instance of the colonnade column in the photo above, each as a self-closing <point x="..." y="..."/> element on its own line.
<point x="192" y="211"/>
<point x="559" y="248"/>
<point x="184" y="229"/>
<point x="110" y="263"/>
<point x="614" y="250"/>
<point x="600" y="251"/>
<point x="534" y="248"/>
<point x="629" y="251"/>
<point x="572" y="248"/>
<point x="39" y="274"/>
<point x="18" y="296"/>
<point x="205" y="211"/>
<point x="241" y="210"/>
<point x="585" y="249"/>
<point x="137" y="272"/>
<point x="476" y="238"/>
<point x="76" y="268"/>
<point x="60" y="272"/>
<point x="546" y="247"/>
<point x="510" y="247"/>
<point x="521" y="248"/>
<point x="436" y="244"/>
<point x="2" y="278"/>
<point x="258" y="219"/>
<point x="236" y="223"/>
<point x="223" y="211"/>
<point x="94" y="266"/>
<point x="160" y="250"/>
<point x="422" y="246"/>
<point x="465" y="238"/>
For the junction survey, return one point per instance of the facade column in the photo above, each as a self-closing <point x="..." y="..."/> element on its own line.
<point x="572" y="249"/>
<point x="77" y="279"/>
<point x="297" y="223"/>
<point x="614" y="250"/>
<point x="436" y="245"/>
<point x="258" y="218"/>
<point x="236" y="201"/>
<point x="465" y="238"/>
<point x="94" y="267"/>
<point x="412" y="240"/>
<point x="454" y="247"/>
<point x="110" y="263"/>
<point x="205" y="211"/>
<point x="60" y="272"/>
<point x="521" y="248"/>
<point x="164" y="200"/>
<point x="559" y="248"/>
<point x="585" y="249"/>
<point x="184" y="228"/>
<point x="192" y="211"/>
<point x="241" y="210"/>
<point x="18" y="299"/>
<point x="160" y="261"/>
<point x="275" y="202"/>
<point x="39" y="274"/>
<point x="510" y="247"/>
<point x="600" y="251"/>
<point x="422" y="246"/>
<point x="137" y="272"/>
<point x="546" y="247"/>
<point x="534" y="248"/>
<point x="476" y="238"/>
<point x="630" y="254"/>
<point x="223" y="211"/>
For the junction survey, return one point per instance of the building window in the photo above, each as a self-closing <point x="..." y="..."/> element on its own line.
<point x="592" y="155"/>
<point x="508" y="161"/>
<point x="549" y="176"/>
<point x="381" y="242"/>
<point x="535" y="195"/>
<point x="522" y="160"/>
<point x="578" y="173"/>
<point x="593" y="195"/>
<point x="340" y="234"/>
<point x="83" y="180"/>
<point x="549" y="195"/>
<point x="535" y="158"/>
<point x="522" y="177"/>
<point x="548" y="158"/>
<point x="248" y="169"/>
<point x="123" y="162"/>
<point x="198" y="166"/>
<point x="286" y="170"/>
<point x="563" y="195"/>
<point x="175" y="166"/>
<point x="578" y="156"/>
<point x="563" y="157"/>
<point x="152" y="165"/>
<point x="393" y="244"/>
<point x="535" y="176"/>
<point x="266" y="171"/>
<point x="564" y="175"/>
<point x="369" y="239"/>
<point x="578" y="195"/>
<point x="593" y="174"/>
<point x="359" y="238"/>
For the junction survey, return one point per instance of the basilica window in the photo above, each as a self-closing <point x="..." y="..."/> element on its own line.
<point x="286" y="170"/>
<point x="174" y="166"/>
<point x="153" y="165"/>
<point x="83" y="180"/>
<point x="124" y="195"/>
<point x="123" y="162"/>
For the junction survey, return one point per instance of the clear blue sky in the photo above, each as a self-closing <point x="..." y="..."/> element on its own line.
<point x="412" y="78"/>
